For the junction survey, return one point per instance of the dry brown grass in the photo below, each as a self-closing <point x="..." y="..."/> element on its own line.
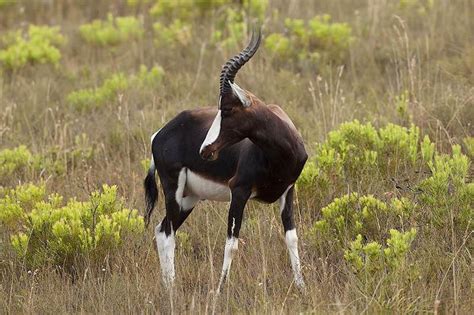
<point x="429" y="55"/>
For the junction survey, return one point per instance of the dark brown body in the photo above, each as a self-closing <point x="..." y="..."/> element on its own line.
<point x="177" y="146"/>
<point x="242" y="150"/>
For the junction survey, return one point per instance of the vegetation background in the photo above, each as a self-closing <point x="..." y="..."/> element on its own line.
<point x="83" y="85"/>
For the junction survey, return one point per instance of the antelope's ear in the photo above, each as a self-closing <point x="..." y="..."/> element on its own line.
<point x="241" y="94"/>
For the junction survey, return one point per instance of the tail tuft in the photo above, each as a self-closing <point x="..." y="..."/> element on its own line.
<point x="151" y="193"/>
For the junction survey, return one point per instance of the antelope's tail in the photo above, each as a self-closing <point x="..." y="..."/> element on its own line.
<point x="151" y="192"/>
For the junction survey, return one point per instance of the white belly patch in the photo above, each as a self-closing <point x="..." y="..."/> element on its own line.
<point x="204" y="188"/>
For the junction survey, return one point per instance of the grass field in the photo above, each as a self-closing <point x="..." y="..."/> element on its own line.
<point x="84" y="101"/>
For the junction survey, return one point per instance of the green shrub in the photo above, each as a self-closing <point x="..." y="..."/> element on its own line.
<point x="176" y="33"/>
<point x="359" y="154"/>
<point x="372" y="257"/>
<point x="184" y="9"/>
<point x="12" y="160"/>
<point x="14" y="203"/>
<point x="317" y="40"/>
<point x="5" y="3"/>
<point x="54" y="160"/>
<point x="39" y="45"/>
<point x="469" y="144"/>
<point x="279" y="45"/>
<point x="346" y="217"/>
<point x="87" y="99"/>
<point x="113" y="31"/>
<point x="447" y="195"/>
<point x="45" y="230"/>
<point x="134" y="3"/>
<point x="421" y="7"/>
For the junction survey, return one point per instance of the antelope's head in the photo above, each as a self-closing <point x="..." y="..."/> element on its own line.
<point x="233" y="121"/>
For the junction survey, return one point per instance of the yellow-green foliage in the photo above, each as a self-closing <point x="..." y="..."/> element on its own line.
<point x="352" y="214"/>
<point x="14" y="203"/>
<point x="91" y="98"/>
<point x="419" y="6"/>
<point x="113" y="31"/>
<point x="39" y="45"/>
<point x="178" y="32"/>
<point x="134" y="3"/>
<point x="448" y="194"/>
<point x="86" y="99"/>
<point x="355" y="150"/>
<point x="14" y="159"/>
<point x="372" y="257"/>
<point x="230" y="25"/>
<point x="279" y="45"/>
<point x="469" y="143"/>
<point x="45" y="230"/>
<point x="184" y="9"/>
<point x="53" y="160"/>
<point x="5" y="3"/>
<point x="315" y="40"/>
<point x="231" y="29"/>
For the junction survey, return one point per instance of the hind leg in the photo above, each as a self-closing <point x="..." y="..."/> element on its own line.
<point x="178" y="209"/>
<point x="291" y="239"/>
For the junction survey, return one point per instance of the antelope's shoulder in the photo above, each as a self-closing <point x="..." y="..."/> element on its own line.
<point x="282" y="115"/>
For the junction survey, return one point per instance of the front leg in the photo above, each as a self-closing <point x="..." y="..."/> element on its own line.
<point x="291" y="239"/>
<point x="239" y="197"/>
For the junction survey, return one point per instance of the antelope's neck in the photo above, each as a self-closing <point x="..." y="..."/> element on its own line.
<point x="281" y="143"/>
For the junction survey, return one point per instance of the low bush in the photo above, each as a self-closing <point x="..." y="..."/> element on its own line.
<point x="176" y="33"/>
<point x="38" y="46"/>
<point x="436" y="207"/>
<point x="14" y="159"/>
<point x="353" y="214"/>
<point x="45" y="230"/>
<point x="54" y="160"/>
<point x="5" y="3"/>
<point x="184" y="9"/>
<point x="318" y="40"/>
<point x="113" y="31"/>
<point x="358" y="154"/>
<point x="87" y="99"/>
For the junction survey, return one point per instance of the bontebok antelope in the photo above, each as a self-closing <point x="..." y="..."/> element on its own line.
<point x="243" y="149"/>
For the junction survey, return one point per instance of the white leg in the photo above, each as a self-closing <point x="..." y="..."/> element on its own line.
<point x="291" y="240"/>
<point x="166" y="245"/>
<point x="231" y="246"/>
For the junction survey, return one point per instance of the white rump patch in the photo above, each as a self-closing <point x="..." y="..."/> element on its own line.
<point x="166" y="246"/>
<point x="291" y="240"/>
<point x="283" y="199"/>
<point x="180" y="189"/>
<point x="152" y="160"/>
<point x="154" y="135"/>
<point x="204" y="188"/>
<point x="213" y="132"/>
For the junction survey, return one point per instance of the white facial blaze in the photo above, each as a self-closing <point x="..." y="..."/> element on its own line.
<point x="291" y="240"/>
<point x="213" y="132"/>
<point x="165" y="245"/>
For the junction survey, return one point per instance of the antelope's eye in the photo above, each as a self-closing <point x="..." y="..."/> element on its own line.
<point x="226" y="112"/>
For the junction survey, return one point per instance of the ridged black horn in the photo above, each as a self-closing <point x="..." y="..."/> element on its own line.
<point x="232" y="66"/>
